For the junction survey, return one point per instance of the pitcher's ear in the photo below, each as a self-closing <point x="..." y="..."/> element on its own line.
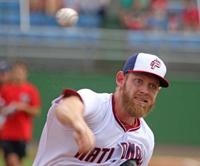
<point x="120" y="78"/>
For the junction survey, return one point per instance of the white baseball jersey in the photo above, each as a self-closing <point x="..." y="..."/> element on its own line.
<point x="114" y="143"/>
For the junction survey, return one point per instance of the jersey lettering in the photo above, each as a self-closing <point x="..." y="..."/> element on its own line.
<point x="131" y="151"/>
<point x="100" y="155"/>
<point x="97" y="154"/>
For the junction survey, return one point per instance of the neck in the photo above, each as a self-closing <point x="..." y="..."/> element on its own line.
<point x="122" y="114"/>
<point x="19" y="82"/>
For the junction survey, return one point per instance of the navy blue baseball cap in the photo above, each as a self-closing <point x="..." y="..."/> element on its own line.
<point x="4" y="66"/>
<point x="147" y="63"/>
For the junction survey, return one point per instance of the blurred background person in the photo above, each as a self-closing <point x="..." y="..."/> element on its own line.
<point x="174" y="22"/>
<point x="132" y="14"/>
<point x="22" y="103"/>
<point x="190" y="16"/>
<point x="157" y="19"/>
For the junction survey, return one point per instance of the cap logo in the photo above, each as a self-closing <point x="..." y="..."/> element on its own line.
<point x="155" y="63"/>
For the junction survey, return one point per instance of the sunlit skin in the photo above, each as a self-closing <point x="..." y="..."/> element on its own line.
<point x="135" y="95"/>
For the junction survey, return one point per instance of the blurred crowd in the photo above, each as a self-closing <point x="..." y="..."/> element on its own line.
<point x="156" y="15"/>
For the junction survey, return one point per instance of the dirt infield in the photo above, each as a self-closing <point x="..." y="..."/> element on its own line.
<point x="176" y="156"/>
<point x="174" y="161"/>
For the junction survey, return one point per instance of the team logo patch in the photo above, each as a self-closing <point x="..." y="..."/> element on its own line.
<point x="155" y="63"/>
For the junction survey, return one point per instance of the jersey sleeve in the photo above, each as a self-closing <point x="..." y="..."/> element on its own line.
<point x="94" y="103"/>
<point x="91" y="102"/>
<point x="71" y="92"/>
<point x="89" y="98"/>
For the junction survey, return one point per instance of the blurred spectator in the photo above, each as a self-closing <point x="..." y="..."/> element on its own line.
<point x="157" y="20"/>
<point x="128" y="4"/>
<point x="37" y="5"/>
<point x="173" y="22"/>
<point x="159" y="4"/>
<point x="22" y="102"/>
<point x="147" y="15"/>
<point x="190" y="16"/>
<point x="47" y="6"/>
<point x="133" y="14"/>
<point x="52" y="6"/>
<point x="74" y="4"/>
<point x="157" y="17"/>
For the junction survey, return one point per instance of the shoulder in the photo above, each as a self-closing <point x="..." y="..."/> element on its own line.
<point x="88" y="94"/>
<point x="94" y="102"/>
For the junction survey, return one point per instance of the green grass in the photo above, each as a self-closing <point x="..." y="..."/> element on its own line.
<point x="28" y="160"/>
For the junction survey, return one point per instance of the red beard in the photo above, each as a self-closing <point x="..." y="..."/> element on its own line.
<point x="134" y="109"/>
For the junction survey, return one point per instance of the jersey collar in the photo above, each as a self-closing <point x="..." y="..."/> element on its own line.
<point x="125" y="127"/>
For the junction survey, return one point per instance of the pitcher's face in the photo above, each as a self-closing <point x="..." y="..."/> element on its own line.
<point x="139" y="93"/>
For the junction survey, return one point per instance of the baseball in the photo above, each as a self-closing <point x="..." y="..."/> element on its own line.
<point x="67" y="17"/>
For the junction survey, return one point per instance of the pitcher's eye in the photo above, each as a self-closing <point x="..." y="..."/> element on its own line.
<point x="137" y="82"/>
<point x="153" y="86"/>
